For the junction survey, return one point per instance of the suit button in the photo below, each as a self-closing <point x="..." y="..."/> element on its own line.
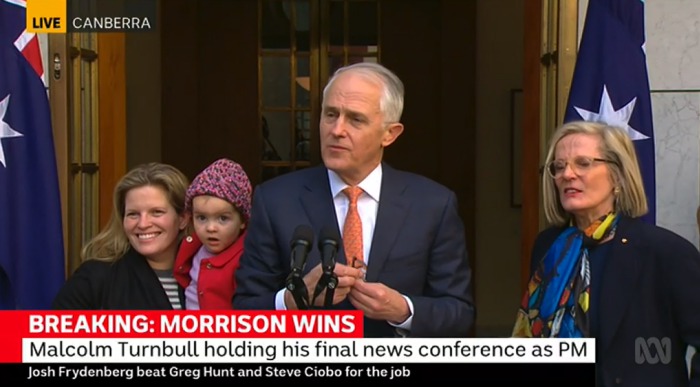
<point x="201" y="294"/>
<point x="209" y="266"/>
<point x="181" y="269"/>
<point x="618" y="380"/>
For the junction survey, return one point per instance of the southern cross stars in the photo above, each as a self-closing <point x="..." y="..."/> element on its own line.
<point x="5" y="130"/>
<point x="607" y="113"/>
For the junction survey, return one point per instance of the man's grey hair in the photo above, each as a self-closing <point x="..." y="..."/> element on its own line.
<point x="391" y="101"/>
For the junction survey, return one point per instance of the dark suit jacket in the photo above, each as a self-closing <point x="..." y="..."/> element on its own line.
<point x="128" y="283"/>
<point x="651" y="288"/>
<point x="418" y="247"/>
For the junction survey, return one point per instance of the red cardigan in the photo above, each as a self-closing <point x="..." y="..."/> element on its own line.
<point x="216" y="283"/>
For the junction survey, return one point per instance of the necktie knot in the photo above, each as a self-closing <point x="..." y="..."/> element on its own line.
<point x="353" y="193"/>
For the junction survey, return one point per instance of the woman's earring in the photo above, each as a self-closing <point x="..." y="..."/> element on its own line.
<point x="617" y="190"/>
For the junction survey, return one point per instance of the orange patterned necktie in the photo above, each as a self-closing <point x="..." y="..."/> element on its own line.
<point x="352" y="229"/>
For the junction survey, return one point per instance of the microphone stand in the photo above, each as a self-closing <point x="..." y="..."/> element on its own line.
<point x="295" y="284"/>
<point x="328" y="280"/>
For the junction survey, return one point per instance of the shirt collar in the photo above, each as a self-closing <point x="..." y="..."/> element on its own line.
<point x="372" y="184"/>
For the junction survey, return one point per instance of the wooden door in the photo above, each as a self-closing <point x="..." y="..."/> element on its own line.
<point x="431" y="46"/>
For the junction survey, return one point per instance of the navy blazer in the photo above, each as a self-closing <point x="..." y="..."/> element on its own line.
<point x="418" y="247"/>
<point x="651" y="288"/>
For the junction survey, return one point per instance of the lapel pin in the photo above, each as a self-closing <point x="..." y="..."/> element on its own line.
<point x="624" y="241"/>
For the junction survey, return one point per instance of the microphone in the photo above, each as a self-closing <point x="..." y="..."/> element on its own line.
<point x="301" y="243"/>
<point x="328" y="244"/>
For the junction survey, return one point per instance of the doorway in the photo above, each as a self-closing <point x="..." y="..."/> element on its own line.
<point x="215" y="56"/>
<point x="239" y="88"/>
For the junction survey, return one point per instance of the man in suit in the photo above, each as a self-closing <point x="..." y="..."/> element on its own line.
<point x="408" y="270"/>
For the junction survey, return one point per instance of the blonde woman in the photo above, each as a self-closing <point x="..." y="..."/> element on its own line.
<point x="129" y="264"/>
<point x="601" y="272"/>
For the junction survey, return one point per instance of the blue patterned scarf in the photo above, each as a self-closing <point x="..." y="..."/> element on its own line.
<point x="558" y="296"/>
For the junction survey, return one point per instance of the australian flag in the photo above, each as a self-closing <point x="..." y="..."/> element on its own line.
<point x="611" y="83"/>
<point x="31" y="239"/>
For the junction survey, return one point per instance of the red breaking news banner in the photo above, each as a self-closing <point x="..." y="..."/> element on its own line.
<point x="18" y="325"/>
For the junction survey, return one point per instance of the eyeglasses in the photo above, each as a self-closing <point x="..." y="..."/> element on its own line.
<point x="580" y="165"/>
